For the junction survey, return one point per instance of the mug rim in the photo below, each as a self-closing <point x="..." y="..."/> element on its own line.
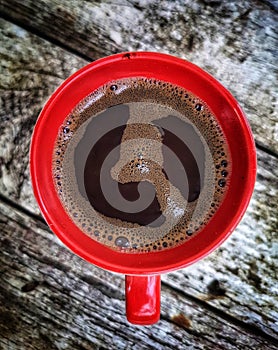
<point x="179" y="72"/>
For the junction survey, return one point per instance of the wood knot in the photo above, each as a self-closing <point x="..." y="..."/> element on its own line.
<point x="28" y="287"/>
<point x="214" y="288"/>
<point x="181" y="320"/>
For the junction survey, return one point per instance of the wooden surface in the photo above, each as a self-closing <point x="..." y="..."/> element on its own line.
<point x="51" y="299"/>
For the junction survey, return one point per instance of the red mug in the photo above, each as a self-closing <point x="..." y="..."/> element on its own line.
<point x="143" y="270"/>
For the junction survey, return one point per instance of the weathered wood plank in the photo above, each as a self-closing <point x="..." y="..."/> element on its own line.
<point x="248" y="274"/>
<point x="247" y="263"/>
<point x="249" y="283"/>
<point x="236" y="41"/>
<point x="31" y="69"/>
<point x="51" y="299"/>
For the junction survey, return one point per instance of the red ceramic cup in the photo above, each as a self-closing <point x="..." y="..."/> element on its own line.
<point x="143" y="270"/>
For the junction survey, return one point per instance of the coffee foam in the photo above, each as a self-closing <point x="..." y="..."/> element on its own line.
<point x="141" y="159"/>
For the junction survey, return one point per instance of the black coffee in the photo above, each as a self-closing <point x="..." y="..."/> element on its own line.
<point x="141" y="165"/>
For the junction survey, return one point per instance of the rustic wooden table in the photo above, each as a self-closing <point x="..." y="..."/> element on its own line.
<point x="50" y="298"/>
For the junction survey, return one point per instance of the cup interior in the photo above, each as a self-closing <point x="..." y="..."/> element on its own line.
<point x="176" y="71"/>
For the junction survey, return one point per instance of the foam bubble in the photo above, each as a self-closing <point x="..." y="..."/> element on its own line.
<point x="141" y="158"/>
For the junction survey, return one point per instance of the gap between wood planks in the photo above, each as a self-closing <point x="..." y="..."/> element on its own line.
<point x="249" y="328"/>
<point x="40" y="34"/>
<point x="265" y="149"/>
<point x="222" y="314"/>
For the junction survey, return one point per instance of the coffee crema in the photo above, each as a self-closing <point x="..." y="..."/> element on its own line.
<point x="141" y="165"/>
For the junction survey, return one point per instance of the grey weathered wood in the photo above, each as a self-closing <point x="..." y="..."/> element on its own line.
<point x="236" y="41"/>
<point x="31" y="69"/>
<point x="251" y="287"/>
<point x="51" y="299"/>
<point x="245" y="265"/>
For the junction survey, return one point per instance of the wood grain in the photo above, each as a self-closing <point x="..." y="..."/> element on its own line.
<point x="51" y="299"/>
<point x="31" y="69"/>
<point x="236" y="41"/>
<point x="226" y="264"/>
<point x="245" y="266"/>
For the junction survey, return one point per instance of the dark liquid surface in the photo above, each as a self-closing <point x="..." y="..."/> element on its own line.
<point x="108" y="142"/>
<point x="128" y="190"/>
<point x="144" y="174"/>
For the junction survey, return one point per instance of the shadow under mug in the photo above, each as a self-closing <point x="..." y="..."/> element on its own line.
<point x="143" y="270"/>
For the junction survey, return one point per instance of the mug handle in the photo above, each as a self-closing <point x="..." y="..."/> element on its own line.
<point x="142" y="299"/>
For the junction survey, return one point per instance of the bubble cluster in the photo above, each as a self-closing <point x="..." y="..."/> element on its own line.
<point x="141" y="158"/>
